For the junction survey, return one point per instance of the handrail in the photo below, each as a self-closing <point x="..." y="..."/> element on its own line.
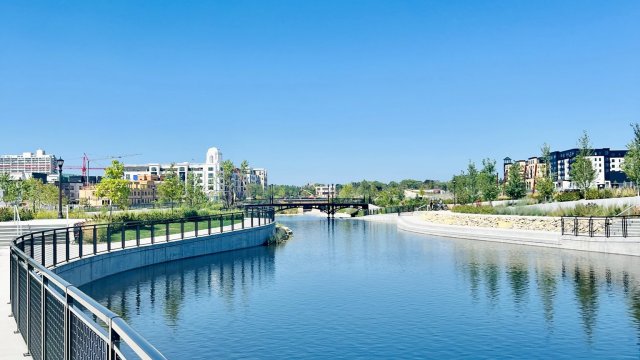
<point x="601" y="226"/>
<point x="44" y="304"/>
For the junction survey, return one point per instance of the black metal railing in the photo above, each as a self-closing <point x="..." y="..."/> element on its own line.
<point x="57" y="320"/>
<point x="601" y="226"/>
<point x="390" y="210"/>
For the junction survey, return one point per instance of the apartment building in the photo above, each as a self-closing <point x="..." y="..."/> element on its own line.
<point x="21" y="167"/>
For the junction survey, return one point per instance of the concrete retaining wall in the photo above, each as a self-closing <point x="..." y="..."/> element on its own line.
<point x="92" y="268"/>
<point x="622" y="246"/>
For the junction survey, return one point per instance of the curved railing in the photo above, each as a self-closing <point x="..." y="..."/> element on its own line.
<point x="601" y="226"/>
<point x="57" y="320"/>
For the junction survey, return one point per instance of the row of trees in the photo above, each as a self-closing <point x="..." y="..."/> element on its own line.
<point x="33" y="191"/>
<point x="474" y="185"/>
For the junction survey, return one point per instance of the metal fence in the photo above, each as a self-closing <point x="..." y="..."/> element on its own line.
<point x="596" y="226"/>
<point x="390" y="210"/>
<point x="57" y="320"/>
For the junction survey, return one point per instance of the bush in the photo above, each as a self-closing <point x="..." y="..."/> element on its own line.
<point x="567" y="196"/>
<point x="471" y="209"/>
<point x="6" y="214"/>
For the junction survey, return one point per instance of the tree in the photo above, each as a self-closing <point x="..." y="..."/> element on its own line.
<point x="487" y="180"/>
<point x="10" y="188"/>
<point x="582" y="172"/>
<point x="114" y="187"/>
<point x="244" y="173"/>
<point x="255" y="191"/>
<point x="227" y="177"/>
<point x="472" y="182"/>
<point x="347" y="191"/>
<point x="515" y="187"/>
<point x="171" y="189"/>
<point x="544" y="183"/>
<point x="631" y="165"/>
<point x="194" y="194"/>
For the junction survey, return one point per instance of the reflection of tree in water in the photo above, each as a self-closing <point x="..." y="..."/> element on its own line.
<point x="518" y="276"/>
<point x="491" y="273"/>
<point x="634" y="309"/>
<point x="547" y="285"/>
<point x="173" y="295"/>
<point x="586" y="291"/>
<point x="473" y="267"/>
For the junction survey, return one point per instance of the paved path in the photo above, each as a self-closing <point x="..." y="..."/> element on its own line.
<point x="12" y="345"/>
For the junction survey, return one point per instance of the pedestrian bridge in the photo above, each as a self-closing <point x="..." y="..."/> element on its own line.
<point x="327" y="205"/>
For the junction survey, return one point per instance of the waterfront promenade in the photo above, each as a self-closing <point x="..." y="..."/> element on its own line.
<point x="12" y="345"/>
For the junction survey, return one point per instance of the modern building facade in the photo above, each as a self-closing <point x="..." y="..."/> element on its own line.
<point x="207" y="174"/>
<point x="606" y="162"/>
<point x="21" y="167"/>
<point x="143" y="191"/>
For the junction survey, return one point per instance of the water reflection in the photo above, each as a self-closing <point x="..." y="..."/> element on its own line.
<point x="589" y="275"/>
<point x="229" y="275"/>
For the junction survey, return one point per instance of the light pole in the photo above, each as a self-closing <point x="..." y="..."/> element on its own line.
<point x="60" y="163"/>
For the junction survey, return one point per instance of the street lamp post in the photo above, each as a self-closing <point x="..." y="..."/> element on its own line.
<point x="60" y="163"/>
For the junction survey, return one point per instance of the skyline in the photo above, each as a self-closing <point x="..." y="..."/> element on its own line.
<point x="327" y="93"/>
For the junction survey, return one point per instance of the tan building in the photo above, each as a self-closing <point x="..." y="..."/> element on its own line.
<point x="143" y="191"/>
<point x="530" y="169"/>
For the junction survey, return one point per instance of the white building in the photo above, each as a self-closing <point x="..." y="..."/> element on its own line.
<point x="25" y="165"/>
<point x="606" y="162"/>
<point x="207" y="174"/>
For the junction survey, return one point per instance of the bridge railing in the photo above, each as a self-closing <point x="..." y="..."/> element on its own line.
<point x="57" y="320"/>
<point x="390" y="210"/>
<point x="601" y="226"/>
<point x="293" y="201"/>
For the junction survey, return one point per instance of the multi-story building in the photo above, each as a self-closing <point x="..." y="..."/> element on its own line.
<point x="606" y="162"/>
<point x="323" y="191"/>
<point x="207" y="174"/>
<point x="25" y="165"/>
<point x="142" y="191"/>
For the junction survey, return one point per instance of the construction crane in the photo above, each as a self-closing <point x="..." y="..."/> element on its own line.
<point x="86" y="164"/>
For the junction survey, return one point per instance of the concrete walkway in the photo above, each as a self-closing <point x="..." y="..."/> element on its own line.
<point x="12" y="345"/>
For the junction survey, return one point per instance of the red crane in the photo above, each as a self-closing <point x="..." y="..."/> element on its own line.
<point x="86" y="161"/>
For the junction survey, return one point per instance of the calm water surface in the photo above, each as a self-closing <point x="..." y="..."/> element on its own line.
<point x="352" y="289"/>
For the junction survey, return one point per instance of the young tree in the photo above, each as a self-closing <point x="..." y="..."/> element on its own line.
<point x="227" y="177"/>
<point x="244" y="173"/>
<point x="171" y="189"/>
<point x="114" y="187"/>
<point x="515" y="187"/>
<point x="582" y="172"/>
<point x="487" y="180"/>
<point x="544" y="183"/>
<point x="347" y="191"/>
<point x="10" y="188"/>
<point x="194" y="194"/>
<point x="472" y="182"/>
<point x="255" y="191"/>
<point x="631" y="165"/>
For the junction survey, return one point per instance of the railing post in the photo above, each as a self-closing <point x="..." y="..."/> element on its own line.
<point x="221" y="222"/>
<point x="153" y="232"/>
<point x="624" y="226"/>
<point x="28" y="334"/>
<point x="607" y="226"/>
<point x="251" y="212"/>
<point x="181" y="228"/>
<point x="95" y="240"/>
<point x="195" y="225"/>
<point x="30" y="246"/>
<point x="42" y="247"/>
<point x="242" y="220"/>
<point x="209" y="225"/>
<point x="562" y="226"/>
<point x="138" y="234"/>
<point x="167" y="229"/>
<point x="232" y="221"/>
<point x="80" y="240"/>
<point x="66" y="243"/>
<point x="122" y="234"/>
<point x="591" y="226"/>
<point x="575" y="226"/>
<point x="43" y="315"/>
<point x="55" y="246"/>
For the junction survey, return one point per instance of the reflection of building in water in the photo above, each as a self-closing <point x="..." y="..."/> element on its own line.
<point x="169" y="284"/>
<point x="519" y="270"/>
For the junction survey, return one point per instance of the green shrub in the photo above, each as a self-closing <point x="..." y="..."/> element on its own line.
<point x="6" y="214"/>
<point x="472" y="209"/>
<point x="567" y="196"/>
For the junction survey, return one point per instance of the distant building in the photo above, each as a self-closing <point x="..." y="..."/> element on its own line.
<point x="606" y="162"/>
<point x="22" y="167"/>
<point x="207" y="174"/>
<point x="323" y="191"/>
<point x="142" y="191"/>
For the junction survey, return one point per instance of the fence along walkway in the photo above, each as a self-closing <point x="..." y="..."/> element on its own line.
<point x="58" y="321"/>
<point x="596" y="226"/>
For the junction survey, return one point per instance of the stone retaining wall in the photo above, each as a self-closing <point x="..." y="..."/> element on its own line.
<point x="536" y="223"/>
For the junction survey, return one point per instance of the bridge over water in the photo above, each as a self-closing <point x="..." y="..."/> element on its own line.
<point x="327" y="205"/>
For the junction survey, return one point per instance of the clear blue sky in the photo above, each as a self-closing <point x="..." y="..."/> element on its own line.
<point x="326" y="91"/>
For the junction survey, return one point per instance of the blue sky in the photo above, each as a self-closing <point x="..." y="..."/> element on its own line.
<point x="325" y="91"/>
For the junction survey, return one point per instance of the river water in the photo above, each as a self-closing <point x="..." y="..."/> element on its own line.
<point x="355" y="289"/>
